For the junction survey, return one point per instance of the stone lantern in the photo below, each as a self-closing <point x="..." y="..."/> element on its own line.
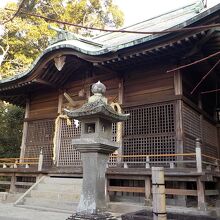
<point x="95" y="146"/>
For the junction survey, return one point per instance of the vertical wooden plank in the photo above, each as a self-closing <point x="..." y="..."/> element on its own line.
<point x="218" y="130"/>
<point x="179" y="127"/>
<point x="60" y="103"/>
<point x="107" y="184"/>
<point x="148" y="197"/>
<point x="201" y="195"/>
<point x="12" y="186"/>
<point x="201" y="138"/>
<point x="25" y="130"/>
<point x="179" y="105"/>
<point x="121" y="91"/>
<point x="58" y="128"/>
<point x="181" y="199"/>
<point x="120" y="124"/>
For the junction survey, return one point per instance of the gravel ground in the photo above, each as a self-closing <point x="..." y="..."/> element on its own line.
<point x="9" y="212"/>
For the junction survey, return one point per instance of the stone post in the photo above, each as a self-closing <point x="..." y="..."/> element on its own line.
<point x="198" y="156"/>
<point x="93" y="199"/>
<point x="158" y="191"/>
<point x="40" y="161"/>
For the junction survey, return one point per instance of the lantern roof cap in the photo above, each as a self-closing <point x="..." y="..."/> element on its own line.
<point x="97" y="107"/>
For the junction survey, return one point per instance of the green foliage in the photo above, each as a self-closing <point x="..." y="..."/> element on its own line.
<point x="11" y="118"/>
<point x="28" y="36"/>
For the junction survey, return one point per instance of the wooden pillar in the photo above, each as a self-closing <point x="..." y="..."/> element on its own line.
<point x="107" y="184"/>
<point x="25" y="130"/>
<point x="12" y="185"/>
<point x="201" y="195"/>
<point x="148" y="197"/>
<point x="179" y="118"/>
<point x="119" y="124"/>
<point x="178" y="88"/>
<point x="58" y="129"/>
<point x="158" y="191"/>
<point x="200" y="184"/>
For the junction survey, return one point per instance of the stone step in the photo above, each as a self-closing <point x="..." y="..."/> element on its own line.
<point x="66" y="181"/>
<point x="122" y="207"/>
<point x="58" y="196"/>
<point x="50" y="203"/>
<point x="72" y="188"/>
<point x="41" y="208"/>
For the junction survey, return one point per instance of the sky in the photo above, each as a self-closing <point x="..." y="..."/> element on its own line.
<point x="139" y="10"/>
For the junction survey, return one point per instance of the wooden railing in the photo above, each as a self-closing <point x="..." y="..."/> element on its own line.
<point x="148" y="160"/>
<point x="211" y="162"/>
<point x="195" y="160"/>
<point x="22" y="162"/>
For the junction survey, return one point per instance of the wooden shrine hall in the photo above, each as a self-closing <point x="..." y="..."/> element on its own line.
<point x="169" y="83"/>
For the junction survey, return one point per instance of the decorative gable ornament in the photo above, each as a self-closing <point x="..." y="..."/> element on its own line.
<point x="59" y="62"/>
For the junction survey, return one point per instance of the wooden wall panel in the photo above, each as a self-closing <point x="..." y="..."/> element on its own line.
<point x="191" y="127"/>
<point x="147" y="86"/>
<point x="210" y="137"/>
<point x="196" y="126"/>
<point x="43" y="105"/>
<point x="111" y="82"/>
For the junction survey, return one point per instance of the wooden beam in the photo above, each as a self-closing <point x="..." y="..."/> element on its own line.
<point x="105" y="69"/>
<point x="181" y="192"/>
<point x="126" y="189"/>
<point x="43" y="82"/>
<point x="24" y="183"/>
<point x="69" y="99"/>
<point x="211" y="192"/>
<point x="197" y="46"/>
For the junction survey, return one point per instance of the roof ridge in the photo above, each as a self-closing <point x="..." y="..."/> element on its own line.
<point x="152" y="18"/>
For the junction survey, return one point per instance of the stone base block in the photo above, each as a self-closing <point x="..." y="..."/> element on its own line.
<point x="98" y="216"/>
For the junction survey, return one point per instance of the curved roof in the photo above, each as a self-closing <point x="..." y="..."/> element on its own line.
<point x="107" y="46"/>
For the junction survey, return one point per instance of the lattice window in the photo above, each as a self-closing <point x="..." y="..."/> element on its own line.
<point x="40" y="136"/>
<point x="114" y="131"/>
<point x="150" y="130"/>
<point x="68" y="155"/>
<point x="163" y="144"/>
<point x="156" y="119"/>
